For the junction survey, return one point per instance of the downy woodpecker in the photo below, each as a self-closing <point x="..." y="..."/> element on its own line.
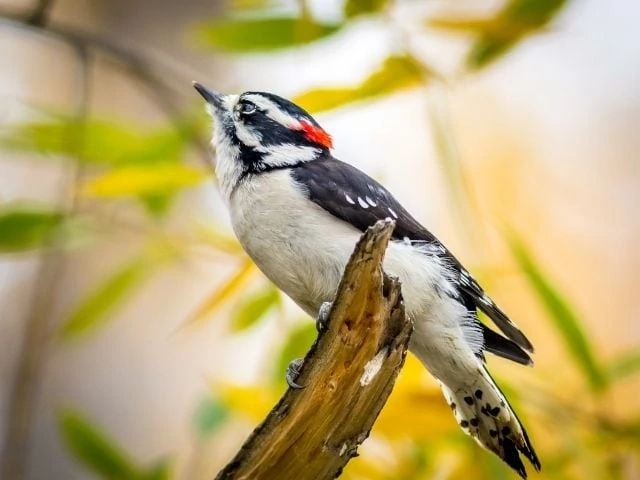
<point x="298" y="212"/>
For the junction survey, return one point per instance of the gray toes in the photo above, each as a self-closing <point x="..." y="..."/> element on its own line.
<point x="293" y="370"/>
<point x="323" y="316"/>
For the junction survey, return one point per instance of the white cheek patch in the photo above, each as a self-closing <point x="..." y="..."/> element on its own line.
<point x="248" y="135"/>
<point x="288" y="154"/>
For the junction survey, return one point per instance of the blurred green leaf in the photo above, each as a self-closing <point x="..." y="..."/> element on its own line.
<point x="534" y="13"/>
<point x="560" y="312"/>
<point x="263" y="34"/>
<point x="250" y="4"/>
<point x="252" y="309"/>
<point x="624" y="365"/>
<point x="518" y="19"/>
<point x="487" y="49"/>
<point x="157" y="204"/>
<point x="397" y="73"/>
<point x="103" y="142"/>
<point x="142" y="180"/>
<point x="210" y="415"/>
<point x="92" y="447"/>
<point x="24" y="228"/>
<point x="94" y="309"/>
<point x="497" y="34"/>
<point x="296" y="346"/>
<point x="159" y="471"/>
<point x="354" y="8"/>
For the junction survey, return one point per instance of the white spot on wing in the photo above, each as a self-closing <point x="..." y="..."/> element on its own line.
<point x="370" y="201"/>
<point x="372" y="367"/>
<point x="395" y="215"/>
<point x="362" y="203"/>
<point x="349" y="199"/>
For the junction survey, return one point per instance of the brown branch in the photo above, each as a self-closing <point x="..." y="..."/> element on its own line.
<point x="347" y="375"/>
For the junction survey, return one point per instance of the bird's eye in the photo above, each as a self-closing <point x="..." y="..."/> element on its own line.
<point x="247" y="108"/>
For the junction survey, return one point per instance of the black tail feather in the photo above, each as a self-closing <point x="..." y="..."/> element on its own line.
<point x="503" y="347"/>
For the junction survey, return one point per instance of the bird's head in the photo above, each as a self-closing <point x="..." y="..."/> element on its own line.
<point x="257" y="132"/>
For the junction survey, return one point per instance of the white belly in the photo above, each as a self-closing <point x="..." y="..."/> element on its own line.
<point x="291" y="243"/>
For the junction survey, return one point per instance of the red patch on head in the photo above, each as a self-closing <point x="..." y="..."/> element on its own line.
<point x="316" y="134"/>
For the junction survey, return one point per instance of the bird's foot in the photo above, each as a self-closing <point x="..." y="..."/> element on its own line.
<point x="322" y="322"/>
<point x="293" y="371"/>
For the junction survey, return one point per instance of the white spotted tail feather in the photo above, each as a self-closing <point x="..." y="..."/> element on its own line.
<point x="482" y="411"/>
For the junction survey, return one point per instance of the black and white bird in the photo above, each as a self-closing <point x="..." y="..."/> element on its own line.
<point x="298" y="212"/>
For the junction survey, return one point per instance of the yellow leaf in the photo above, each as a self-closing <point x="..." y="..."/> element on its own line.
<point x="222" y="294"/>
<point x="94" y="309"/>
<point x="430" y="416"/>
<point x="252" y="402"/>
<point x="140" y="180"/>
<point x="220" y="240"/>
<point x="396" y="73"/>
<point x="471" y="24"/>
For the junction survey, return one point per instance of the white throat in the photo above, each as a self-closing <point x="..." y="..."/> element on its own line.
<point x="228" y="164"/>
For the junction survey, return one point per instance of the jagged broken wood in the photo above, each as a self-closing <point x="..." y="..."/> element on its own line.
<point x="347" y="375"/>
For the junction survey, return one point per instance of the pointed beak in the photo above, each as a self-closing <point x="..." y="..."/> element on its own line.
<point x="213" y="98"/>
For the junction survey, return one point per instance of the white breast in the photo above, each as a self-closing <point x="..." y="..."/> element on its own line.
<point x="296" y="244"/>
<point x="303" y="250"/>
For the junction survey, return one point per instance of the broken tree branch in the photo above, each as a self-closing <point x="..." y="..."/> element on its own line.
<point x="347" y="376"/>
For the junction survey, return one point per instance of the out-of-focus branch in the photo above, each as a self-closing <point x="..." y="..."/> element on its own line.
<point x="26" y="382"/>
<point x="40" y="13"/>
<point x="347" y="376"/>
<point x="158" y="85"/>
<point x="24" y="389"/>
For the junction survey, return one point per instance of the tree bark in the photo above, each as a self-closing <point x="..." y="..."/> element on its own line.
<point x="347" y="377"/>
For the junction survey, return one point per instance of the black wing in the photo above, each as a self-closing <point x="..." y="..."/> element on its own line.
<point x="353" y="196"/>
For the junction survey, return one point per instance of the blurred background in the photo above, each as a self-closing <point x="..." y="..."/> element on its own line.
<point x="137" y="341"/>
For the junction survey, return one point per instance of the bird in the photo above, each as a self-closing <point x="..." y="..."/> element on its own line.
<point x="298" y="212"/>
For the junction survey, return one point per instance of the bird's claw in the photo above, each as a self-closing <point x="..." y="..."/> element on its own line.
<point x="323" y="316"/>
<point x="293" y="370"/>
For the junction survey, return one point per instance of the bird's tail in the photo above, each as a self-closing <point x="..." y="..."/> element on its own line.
<point x="482" y="411"/>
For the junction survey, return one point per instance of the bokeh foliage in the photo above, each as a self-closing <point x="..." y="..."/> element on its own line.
<point x="415" y="437"/>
